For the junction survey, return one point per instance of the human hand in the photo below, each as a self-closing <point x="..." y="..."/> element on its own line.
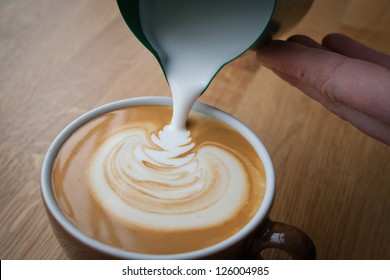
<point x="348" y="78"/>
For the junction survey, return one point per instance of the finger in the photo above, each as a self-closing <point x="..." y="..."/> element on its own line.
<point x="355" y="83"/>
<point x="365" y="123"/>
<point x="361" y="121"/>
<point x="351" y="48"/>
<point x="306" y="88"/>
<point x="306" y="41"/>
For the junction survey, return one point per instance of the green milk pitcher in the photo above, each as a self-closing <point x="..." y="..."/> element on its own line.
<point x="196" y="38"/>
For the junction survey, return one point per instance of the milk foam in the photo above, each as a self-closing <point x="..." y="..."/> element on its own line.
<point x="154" y="186"/>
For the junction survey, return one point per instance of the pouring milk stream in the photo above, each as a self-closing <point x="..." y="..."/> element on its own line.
<point x="194" y="39"/>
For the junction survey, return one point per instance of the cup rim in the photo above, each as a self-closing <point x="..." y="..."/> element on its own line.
<point x="53" y="208"/>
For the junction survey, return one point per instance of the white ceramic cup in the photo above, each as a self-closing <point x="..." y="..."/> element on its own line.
<point x="260" y="233"/>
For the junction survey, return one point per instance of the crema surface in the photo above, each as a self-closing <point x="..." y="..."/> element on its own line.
<point x="129" y="180"/>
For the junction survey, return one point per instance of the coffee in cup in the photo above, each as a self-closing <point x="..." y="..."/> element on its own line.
<point x="125" y="179"/>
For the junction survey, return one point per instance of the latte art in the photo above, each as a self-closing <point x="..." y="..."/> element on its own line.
<point x="166" y="182"/>
<point x="130" y="181"/>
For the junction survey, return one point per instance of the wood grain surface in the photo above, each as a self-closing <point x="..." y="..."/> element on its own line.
<point x="59" y="59"/>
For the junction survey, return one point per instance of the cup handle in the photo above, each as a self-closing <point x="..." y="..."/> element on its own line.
<point x="281" y="236"/>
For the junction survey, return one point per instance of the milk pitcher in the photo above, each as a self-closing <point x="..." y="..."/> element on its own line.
<point x="204" y="35"/>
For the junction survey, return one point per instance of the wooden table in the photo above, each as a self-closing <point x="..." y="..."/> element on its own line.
<point x="59" y="59"/>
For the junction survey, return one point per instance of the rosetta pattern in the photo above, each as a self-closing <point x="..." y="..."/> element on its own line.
<point x="165" y="182"/>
